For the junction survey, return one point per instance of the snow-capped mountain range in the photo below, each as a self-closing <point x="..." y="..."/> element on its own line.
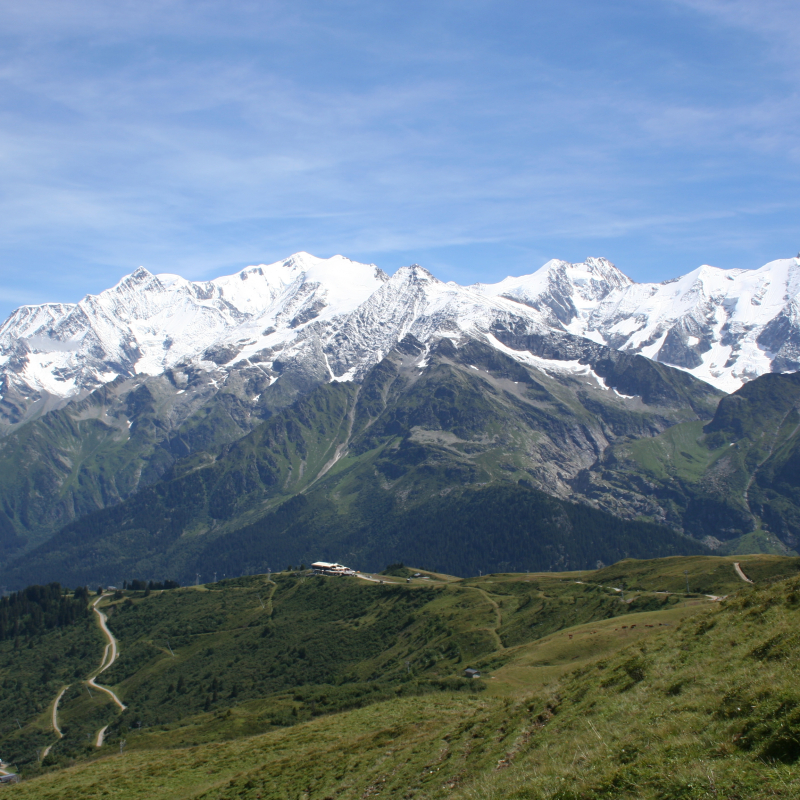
<point x="336" y="318"/>
<point x="726" y="327"/>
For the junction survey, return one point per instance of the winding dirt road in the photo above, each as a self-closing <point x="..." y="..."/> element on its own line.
<point x="56" y="727"/>
<point x="101" y="734"/>
<point x="498" y="617"/>
<point x="367" y="578"/>
<point x="110" y="655"/>
<point x="54" y="720"/>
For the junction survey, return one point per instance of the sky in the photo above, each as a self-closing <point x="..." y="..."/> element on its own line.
<point x="479" y="139"/>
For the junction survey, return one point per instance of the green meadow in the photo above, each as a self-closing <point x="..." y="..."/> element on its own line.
<point x="614" y="683"/>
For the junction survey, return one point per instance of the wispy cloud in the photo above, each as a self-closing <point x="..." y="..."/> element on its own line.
<point x="199" y="137"/>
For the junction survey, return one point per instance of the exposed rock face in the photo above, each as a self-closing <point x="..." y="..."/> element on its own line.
<point x="563" y="291"/>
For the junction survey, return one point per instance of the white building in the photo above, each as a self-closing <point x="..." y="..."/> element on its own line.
<point x="328" y="568"/>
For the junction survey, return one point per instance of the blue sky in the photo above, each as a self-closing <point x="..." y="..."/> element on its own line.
<point x="479" y="139"/>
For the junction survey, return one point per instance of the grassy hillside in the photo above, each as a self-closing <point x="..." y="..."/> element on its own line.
<point x="704" y="575"/>
<point x="584" y="694"/>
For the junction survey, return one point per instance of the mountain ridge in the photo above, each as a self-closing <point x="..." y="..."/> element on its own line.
<point x="334" y="318"/>
<point x="383" y="470"/>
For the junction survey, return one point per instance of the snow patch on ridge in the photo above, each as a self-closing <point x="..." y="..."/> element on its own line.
<point x="548" y="365"/>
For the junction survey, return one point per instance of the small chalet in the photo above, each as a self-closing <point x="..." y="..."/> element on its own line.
<point x="471" y="673"/>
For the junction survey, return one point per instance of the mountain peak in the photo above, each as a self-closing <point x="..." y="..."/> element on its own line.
<point x="138" y="277"/>
<point x="563" y="291"/>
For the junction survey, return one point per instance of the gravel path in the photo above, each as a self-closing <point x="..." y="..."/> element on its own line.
<point x="740" y="573"/>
